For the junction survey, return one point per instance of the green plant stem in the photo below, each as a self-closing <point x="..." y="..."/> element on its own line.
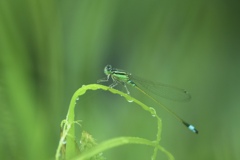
<point x="115" y="142"/>
<point x="69" y="130"/>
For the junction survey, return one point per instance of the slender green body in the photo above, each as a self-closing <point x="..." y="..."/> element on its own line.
<point x="121" y="77"/>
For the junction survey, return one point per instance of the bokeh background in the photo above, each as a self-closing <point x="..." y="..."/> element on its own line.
<point x="49" y="48"/>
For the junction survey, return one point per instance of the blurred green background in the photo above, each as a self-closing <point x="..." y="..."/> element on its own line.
<point x="48" y="49"/>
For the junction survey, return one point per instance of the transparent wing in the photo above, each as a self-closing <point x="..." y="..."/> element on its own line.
<point x="162" y="90"/>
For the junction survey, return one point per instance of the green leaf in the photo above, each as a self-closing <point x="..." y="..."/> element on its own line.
<point x="68" y="130"/>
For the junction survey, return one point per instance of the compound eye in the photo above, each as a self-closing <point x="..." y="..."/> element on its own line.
<point x="109" y="67"/>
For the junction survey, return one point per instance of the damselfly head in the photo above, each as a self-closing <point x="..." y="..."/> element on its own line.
<point x="108" y="69"/>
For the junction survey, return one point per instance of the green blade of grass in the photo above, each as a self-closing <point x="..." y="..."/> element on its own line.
<point x="115" y="142"/>
<point x="69" y="130"/>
